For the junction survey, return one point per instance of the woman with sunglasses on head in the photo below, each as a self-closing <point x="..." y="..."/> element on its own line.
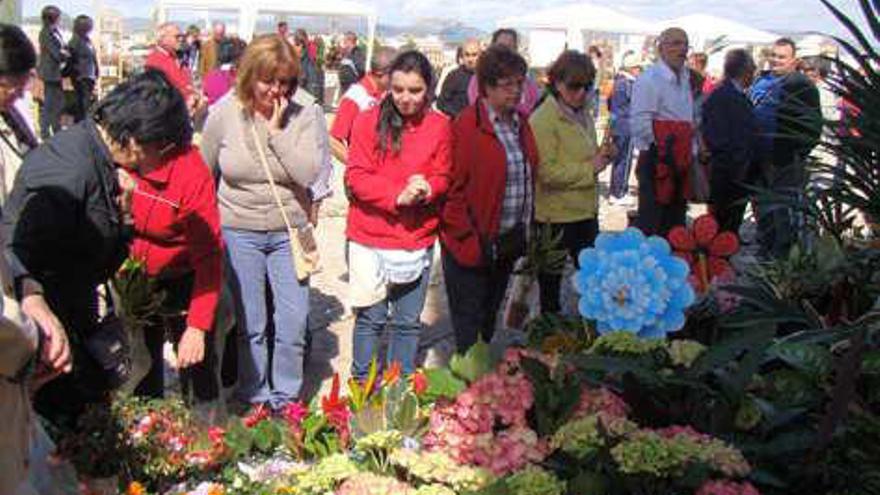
<point x="255" y="131"/>
<point x="566" y="198"/>
<point x="397" y="173"/>
<point x="177" y="237"/>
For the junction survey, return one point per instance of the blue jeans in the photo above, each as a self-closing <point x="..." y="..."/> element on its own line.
<point x="253" y="255"/>
<point x="620" y="168"/>
<point x="401" y="311"/>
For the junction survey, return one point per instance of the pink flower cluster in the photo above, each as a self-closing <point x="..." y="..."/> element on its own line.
<point x="715" y="487"/>
<point x="486" y="424"/>
<point x="687" y="431"/>
<point x="600" y="401"/>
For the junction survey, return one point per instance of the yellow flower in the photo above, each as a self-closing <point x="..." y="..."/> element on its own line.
<point x="135" y="488"/>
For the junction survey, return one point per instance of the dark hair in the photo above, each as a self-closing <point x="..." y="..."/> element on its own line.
<point x="300" y="37"/>
<point x="505" y="31"/>
<point x="820" y="64"/>
<point x="787" y="42"/>
<point x="571" y="66"/>
<point x="737" y="62"/>
<point x="231" y="52"/>
<point x="595" y="50"/>
<point x="17" y="54"/>
<point x="498" y="62"/>
<point x="82" y="25"/>
<point x="50" y="15"/>
<point x="148" y="109"/>
<point x="282" y="24"/>
<point x="351" y="36"/>
<point x="700" y="58"/>
<point x="390" y="126"/>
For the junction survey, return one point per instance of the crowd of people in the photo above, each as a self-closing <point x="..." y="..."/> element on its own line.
<point x="474" y="172"/>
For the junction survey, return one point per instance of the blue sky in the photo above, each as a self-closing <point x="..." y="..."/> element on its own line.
<point x="785" y="15"/>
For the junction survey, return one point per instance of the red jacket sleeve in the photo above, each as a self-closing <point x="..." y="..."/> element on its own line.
<point x="362" y="176"/>
<point x="204" y="245"/>
<point x="441" y="165"/>
<point x="345" y="116"/>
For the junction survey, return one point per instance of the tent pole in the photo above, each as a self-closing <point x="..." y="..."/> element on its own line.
<point x="371" y="36"/>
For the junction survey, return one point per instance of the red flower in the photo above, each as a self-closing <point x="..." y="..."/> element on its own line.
<point x="336" y="411"/>
<point x="419" y="382"/>
<point x="295" y="413"/>
<point x="392" y="374"/>
<point x="705" y="249"/>
<point x="216" y="434"/>
<point x="257" y="414"/>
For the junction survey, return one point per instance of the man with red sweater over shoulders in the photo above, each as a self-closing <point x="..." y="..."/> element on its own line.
<point x="164" y="58"/>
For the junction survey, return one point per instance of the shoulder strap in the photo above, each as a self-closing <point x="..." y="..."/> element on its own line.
<point x="265" y="163"/>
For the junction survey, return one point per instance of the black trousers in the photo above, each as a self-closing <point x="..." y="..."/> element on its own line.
<point x="50" y="111"/>
<point x="85" y="90"/>
<point x="200" y="381"/>
<point x="576" y="236"/>
<point x="475" y="295"/>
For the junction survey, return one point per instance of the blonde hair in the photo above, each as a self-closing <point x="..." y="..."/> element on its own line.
<point x="268" y="56"/>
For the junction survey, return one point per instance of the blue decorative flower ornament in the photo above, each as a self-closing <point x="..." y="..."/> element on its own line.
<point x="633" y="283"/>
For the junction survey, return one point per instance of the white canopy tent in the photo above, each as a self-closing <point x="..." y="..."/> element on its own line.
<point x="703" y="29"/>
<point x="248" y="11"/>
<point x="550" y="30"/>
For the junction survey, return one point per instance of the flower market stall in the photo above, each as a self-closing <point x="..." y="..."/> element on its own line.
<point x="689" y="371"/>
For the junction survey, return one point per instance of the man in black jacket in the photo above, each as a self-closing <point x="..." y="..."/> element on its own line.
<point x="453" y="97"/>
<point x="53" y="56"/>
<point x="730" y="130"/>
<point x="85" y="65"/>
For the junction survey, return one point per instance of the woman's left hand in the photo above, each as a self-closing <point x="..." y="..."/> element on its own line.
<point x="127" y="185"/>
<point x="191" y="349"/>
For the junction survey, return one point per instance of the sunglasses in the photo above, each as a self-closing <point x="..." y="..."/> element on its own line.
<point x="576" y="85"/>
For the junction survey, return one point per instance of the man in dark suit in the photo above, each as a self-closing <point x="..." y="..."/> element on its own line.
<point x="730" y="131"/>
<point x="53" y="56"/>
<point x="85" y="65"/>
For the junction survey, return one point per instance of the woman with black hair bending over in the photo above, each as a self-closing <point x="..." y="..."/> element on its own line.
<point x="398" y="170"/>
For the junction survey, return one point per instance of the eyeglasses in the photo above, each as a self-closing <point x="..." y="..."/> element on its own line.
<point x="280" y="83"/>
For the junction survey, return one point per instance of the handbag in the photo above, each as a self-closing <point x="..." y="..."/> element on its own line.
<point x="108" y="345"/>
<point x="303" y="247"/>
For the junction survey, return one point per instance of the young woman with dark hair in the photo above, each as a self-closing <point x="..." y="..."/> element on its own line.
<point x="85" y="65"/>
<point x="398" y="171"/>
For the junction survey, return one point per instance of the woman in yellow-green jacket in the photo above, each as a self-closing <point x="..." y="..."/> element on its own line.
<point x="566" y="199"/>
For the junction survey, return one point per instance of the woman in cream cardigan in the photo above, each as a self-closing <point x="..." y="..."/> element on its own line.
<point x="565" y="185"/>
<point x="260" y="121"/>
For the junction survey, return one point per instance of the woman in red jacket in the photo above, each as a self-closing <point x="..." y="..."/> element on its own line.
<point x="177" y="236"/>
<point x="490" y="203"/>
<point x="398" y="169"/>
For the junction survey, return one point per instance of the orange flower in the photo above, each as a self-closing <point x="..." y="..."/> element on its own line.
<point x="135" y="488"/>
<point x="215" y="490"/>
<point x="392" y="374"/>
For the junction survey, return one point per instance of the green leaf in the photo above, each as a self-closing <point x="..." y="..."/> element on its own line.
<point x="871" y="363"/>
<point x="267" y="436"/>
<point x="407" y="420"/>
<point x="811" y="359"/>
<point x="238" y="438"/>
<point x="442" y="383"/>
<point x="757" y="338"/>
<point x="474" y="364"/>
<point x="369" y="419"/>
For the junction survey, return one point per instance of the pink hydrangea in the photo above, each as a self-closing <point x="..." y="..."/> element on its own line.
<point x="600" y="401"/>
<point x="486" y="424"/>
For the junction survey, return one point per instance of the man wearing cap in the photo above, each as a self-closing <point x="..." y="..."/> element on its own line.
<point x="662" y="126"/>
<point x="619" y="106"/>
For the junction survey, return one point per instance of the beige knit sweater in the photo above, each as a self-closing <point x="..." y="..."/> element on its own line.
<point x="294" y="156"/>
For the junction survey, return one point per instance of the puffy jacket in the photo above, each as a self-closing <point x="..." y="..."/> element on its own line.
<point x="472" y="211"/>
